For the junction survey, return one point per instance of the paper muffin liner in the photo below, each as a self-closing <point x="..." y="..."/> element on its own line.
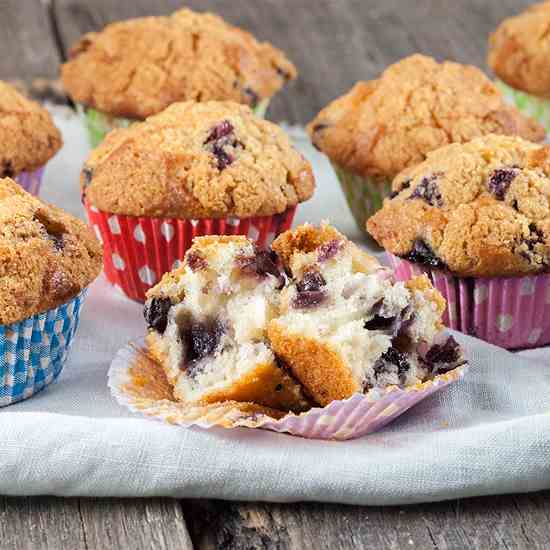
<point x="138" y="251"/>
<point x="533" y="106"/>
<point x="99" y="124"/>
<point x="33" y="351"/>
<point x="138" y="383"/>
<point x="510" y="312"/>
<point x="31" y="181"/>
<point x="365" y="196"/>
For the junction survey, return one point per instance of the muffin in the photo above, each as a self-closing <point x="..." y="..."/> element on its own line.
<point x="210" y="168"/>
<point x="28" y="139"/>
<point x="309" y="322"/>
<point x="134" y="69"/>
<point x="475" y="218"/>
<point x="384" y="126"/>
<point x="47" y="260"/>
<point x="518" y="57"/>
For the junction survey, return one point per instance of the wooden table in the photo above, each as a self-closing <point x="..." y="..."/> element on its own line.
<point x="334" y="43"/>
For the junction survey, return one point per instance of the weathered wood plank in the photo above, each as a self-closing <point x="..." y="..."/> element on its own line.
<point x="51" y="523"/>
<point x="494" y="523"/>
<point x="26" y="41"/>
<point x="333" y="43"/>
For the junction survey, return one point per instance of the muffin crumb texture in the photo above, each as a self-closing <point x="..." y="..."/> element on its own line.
<point x="198" y="160"/>
<point x="480" y="209"/>
<point x="46" y="256"/>
<point x="518" y="50"/>
<point x="28" y="136"/>
<point x="136" y="68"/>
<point x="312" y="320"/>
<point x="416" y="106"/>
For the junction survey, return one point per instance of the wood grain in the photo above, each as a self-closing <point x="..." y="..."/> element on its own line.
<point x="51" y="523"/>
<point x="334" y="43"/>
<point x="483" y="523"/>
<point x="26" y="41"/>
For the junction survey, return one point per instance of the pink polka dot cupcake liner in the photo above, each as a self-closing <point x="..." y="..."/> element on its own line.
<point x="30" y="181"/>
<point x="510" y="312"/>
<point x="139" y="384"/>
<point x="138" y="251"/>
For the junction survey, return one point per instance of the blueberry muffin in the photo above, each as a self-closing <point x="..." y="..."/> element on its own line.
<point x="311" y="321"/>
<point x="194" y="169"/>
<point x="207" y="326"/>
<point x="28" y="138"/>
<point x="47" y="260"/>
<point x="416" y="106"/>
<point x="134" y="69"/>
<point x="344" y="325"/>
<point x="480" y="212"/>
<point x="518" y="57"/>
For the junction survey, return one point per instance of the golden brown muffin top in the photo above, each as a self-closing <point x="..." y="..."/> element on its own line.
<point x="198" y="160"/>
<point x="28" y="136"/>
<point x="383" y="126"/>
<point x="46" y="255"/>
<point x="518" y="50"/>
<point x="136" y="68"/>
<point x="480" y="209"/>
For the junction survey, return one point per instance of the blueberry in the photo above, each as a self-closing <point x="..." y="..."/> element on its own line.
<point x="196" y="261"/>
<point x="6" y="170"/>
<point x="328" y="250"/>
<point x="201" y="339"/>
<point x="252" y="96"/>
<point x="428" y="191"/>
<point x="441" y="358"/>
<point x="88" y="175"/>
<point x="309" y="299"/>
<point x="421" y="253"/>
<point x="312" y="281"/>
<point x="220" y="138"/>
<point x="396" y="325"/>
<point x="54" y="231"/>
<point x="394" y="357"/>
<point x="156" y="313"/>
<point x="405" y="184"/>
<point x="500" y="181"/>
<point x="261" y="264"/>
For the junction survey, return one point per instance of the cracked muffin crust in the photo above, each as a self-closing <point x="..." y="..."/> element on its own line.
<point x="136" y="68"/>
<point x="518" y="50"/>
<point x="312" y="320"/>
<point x="28" y="136"/>
<point x="198" y="160"/>
<point x="417" y="105"/>
<point x="46" y="255"/>
<point x="479" y="209"/>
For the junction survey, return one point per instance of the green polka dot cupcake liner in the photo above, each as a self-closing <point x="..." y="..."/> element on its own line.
<point x="533" y="106"/>
<point x="364" y="195"/>
<point x="510" y="312"/>
<point x="99" y="124"/>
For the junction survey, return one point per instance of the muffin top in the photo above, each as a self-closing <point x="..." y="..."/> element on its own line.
<point x="137" y="68"/>
<point x="28" y="136"/>
<point x="46" y="255"/>
<point x="197" y="160"/>
<point x="518" y="50"/>
<point x="480" y="209"/>
<point x="383" y="126"/>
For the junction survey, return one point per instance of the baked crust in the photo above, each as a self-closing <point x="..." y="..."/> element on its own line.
<point x="46" y="255"/>
<point x="482" y="208"/>
<point x="28" y="136"/>
<point x="173" y="165"/>
<point x="518" y="50"/>
<point x="416" y="106"/>
<point x="136" y="68"/>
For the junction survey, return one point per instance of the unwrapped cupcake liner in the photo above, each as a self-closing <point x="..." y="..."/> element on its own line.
<point x="138" y="251"/>
<point x="99" y="124"/>
<point x="510" y="312"/>
<point x="533" y="106"/>
<point x="33" y="351"/>
<point x="30" y="181"/>
<point x="364" y="195"/>
<point x="138" y="383"/>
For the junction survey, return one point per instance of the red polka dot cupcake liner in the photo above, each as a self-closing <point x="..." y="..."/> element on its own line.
<point x="138" y="251"/>
<point x="510" y="312"/>
<point x="30" y="181"/>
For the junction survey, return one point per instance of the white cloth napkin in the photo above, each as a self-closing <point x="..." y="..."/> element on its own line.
<point x="487" y="434"/>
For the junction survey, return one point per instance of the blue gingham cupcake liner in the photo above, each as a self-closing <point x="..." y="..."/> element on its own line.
<point x="33" y="351"/>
